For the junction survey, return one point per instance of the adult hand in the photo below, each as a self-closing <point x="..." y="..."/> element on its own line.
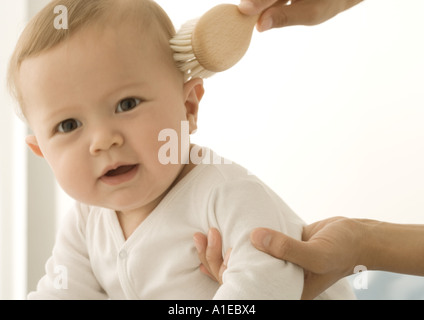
<point x="329" y="251"/>
<point x="209" y="251"/>
<point x="332" y="248"/>
<point x="282" y="13"/>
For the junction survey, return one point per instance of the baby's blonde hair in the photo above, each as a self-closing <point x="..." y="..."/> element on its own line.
<point x="41" y="35"/>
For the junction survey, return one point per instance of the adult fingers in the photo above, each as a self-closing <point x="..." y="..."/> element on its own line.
<point x="253" y="7"/>
<point x="224" y="265"/>
<point x="302" y="12"/>
<point x="214" y="252"/>
<point x="209" y="252"/>
<point x="286" y="248"/>
<point x="201" y="243"/>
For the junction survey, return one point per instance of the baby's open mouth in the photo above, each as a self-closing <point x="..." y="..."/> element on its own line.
<point x="120" y="170"/>
<point x="120" y="174"/>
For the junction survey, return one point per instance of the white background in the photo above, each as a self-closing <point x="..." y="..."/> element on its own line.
<point x="331" y="117"/>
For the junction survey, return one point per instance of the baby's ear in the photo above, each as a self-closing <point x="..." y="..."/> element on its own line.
<point x="193" y="93"/>
<point x="32" y="143"/>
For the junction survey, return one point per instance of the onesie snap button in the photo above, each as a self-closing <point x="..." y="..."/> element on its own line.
<point x="123" y="254"/>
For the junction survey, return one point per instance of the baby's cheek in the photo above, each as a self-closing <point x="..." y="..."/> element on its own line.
<point x="74" y="180"/>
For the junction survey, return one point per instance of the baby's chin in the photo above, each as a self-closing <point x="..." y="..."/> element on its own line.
<point x="127" y="204"/>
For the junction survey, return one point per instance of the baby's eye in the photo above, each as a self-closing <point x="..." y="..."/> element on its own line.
<point x="68" y="125"/>
<point x="127" y="104"/>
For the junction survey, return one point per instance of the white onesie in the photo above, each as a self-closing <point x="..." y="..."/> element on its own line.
<point x="92" y="260"/>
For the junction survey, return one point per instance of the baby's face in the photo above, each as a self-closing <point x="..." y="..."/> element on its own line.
<point x="96" y="104"/>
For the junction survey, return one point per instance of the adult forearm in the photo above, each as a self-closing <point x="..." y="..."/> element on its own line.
<point x="393" y="247"/>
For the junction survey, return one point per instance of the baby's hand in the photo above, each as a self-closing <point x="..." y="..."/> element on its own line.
<point x="209" y="251"/>
<point x="282" y="13"/>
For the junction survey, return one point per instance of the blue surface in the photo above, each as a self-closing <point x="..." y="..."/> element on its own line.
<point x="388" y="286"/>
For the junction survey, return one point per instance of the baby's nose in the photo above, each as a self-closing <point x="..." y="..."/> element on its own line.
<point x="105" y="139"/>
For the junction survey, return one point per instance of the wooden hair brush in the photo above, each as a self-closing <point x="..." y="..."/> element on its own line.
<point x="213" y="43"/>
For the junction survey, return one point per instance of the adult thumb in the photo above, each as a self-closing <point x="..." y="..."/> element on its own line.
<point x="281" y="246"/>
<point x="306" y="12"/>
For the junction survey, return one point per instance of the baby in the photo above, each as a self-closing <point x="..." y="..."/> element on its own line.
<point x="97" y="97"/>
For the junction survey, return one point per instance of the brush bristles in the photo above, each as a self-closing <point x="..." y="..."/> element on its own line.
<point x="183" y="53"/>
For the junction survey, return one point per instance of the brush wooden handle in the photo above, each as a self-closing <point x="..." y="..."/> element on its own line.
<point x="222" y="37"/>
